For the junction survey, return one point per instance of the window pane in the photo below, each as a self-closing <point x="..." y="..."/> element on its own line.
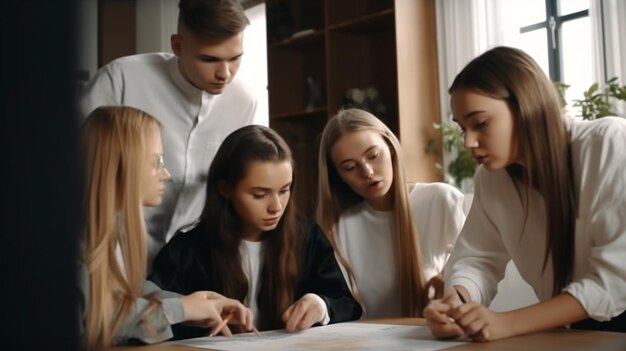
<point x="577" y="53"/>
<point x="570" y="6"/>
<point x="535" y="44"/>
<point x="522" y="12"/>
<point x="512" y="16"/>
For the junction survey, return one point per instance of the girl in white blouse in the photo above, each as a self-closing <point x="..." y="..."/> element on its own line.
<point x="372" y="222"/>
<point x="550" y="195"/>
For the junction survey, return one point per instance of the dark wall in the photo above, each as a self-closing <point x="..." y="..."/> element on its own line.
<point x="40" y="175"/>
<point x="116" y="30"/>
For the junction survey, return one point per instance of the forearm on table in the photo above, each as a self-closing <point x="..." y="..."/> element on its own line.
<point x="558" y="311"/>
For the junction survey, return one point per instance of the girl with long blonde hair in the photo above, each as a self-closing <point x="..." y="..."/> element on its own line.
<point x="125" y="171"/>
<point x="366" y="211"/>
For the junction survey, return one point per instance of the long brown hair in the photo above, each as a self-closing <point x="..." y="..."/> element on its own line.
<point x="115" y="139"/>
<point x="511" y="75"/>
<point x="335" y="197"/>
<point x="222" y="224"/>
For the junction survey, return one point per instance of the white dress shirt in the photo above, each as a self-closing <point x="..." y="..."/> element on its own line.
<point x="194" y="125"/>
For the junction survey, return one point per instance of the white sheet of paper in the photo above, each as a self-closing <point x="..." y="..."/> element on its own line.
<point x="341" y="336"/>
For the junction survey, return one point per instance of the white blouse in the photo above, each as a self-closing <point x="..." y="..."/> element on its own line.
<point x="496" y="229"/>
<point x="251" y="259"/>
<point x="364" y="238"/>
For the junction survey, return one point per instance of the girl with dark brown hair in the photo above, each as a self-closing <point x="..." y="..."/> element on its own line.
<point x="249" y="244"/>
<point x="550" y="195"/>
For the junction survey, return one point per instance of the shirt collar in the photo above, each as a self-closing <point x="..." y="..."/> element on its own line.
<point x="186" y="87"/>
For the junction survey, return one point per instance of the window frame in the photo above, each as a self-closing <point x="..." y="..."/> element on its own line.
<point x="552" y="24"/>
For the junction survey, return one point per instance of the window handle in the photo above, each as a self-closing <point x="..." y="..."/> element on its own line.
<point x="552" y="25"/>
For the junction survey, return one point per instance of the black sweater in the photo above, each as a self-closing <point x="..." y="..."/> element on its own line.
<point x="183" y="266"/>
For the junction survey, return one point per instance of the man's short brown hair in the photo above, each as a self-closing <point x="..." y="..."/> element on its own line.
<point x="212" y="19"/>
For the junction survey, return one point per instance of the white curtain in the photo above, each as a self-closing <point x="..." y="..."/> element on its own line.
<point x="608" y="18"/>
<point x="459" y="27"/>
<point x="465" y="29"/>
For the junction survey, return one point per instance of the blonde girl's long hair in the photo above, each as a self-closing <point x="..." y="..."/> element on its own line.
<point x="115" y="140"/>
<point x="541" y="137"/>
<point x="335" y="197"/>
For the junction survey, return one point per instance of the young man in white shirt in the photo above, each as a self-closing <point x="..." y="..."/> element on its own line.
<point x="195" y="96"/>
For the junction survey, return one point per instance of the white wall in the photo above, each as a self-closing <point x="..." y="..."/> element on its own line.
<point x="253" y="68"/>
<point x="513" y="292"/>
<point x="156" y="22"/>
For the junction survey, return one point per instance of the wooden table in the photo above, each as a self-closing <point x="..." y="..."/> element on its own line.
<point x="555" y="340"/>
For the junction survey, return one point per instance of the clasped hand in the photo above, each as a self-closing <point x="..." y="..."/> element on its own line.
<point x="449" y="318"/>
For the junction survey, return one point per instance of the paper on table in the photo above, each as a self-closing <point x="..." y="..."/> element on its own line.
<point x="342" y="336"/>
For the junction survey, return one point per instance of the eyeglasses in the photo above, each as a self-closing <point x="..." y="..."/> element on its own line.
<point x="159" y="164"/>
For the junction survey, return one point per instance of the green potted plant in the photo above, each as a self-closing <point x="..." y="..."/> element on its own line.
<point x="596" y="102"/>
<point x="462" y="166"/>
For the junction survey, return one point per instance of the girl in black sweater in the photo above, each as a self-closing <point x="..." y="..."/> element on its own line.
<point x="250" y="246"/>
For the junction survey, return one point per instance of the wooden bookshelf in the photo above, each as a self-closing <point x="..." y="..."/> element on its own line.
<point x="343" y="44"/>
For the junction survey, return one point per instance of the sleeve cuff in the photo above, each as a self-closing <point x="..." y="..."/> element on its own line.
<point x="469" y="285"/>
<point x="173" y="310"/>
<point x="325" y="319"/>
<point x="596" y="302"/>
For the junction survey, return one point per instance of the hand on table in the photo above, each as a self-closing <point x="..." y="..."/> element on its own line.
<point x="303" y="313"/>
<point x="209" y="309"/>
